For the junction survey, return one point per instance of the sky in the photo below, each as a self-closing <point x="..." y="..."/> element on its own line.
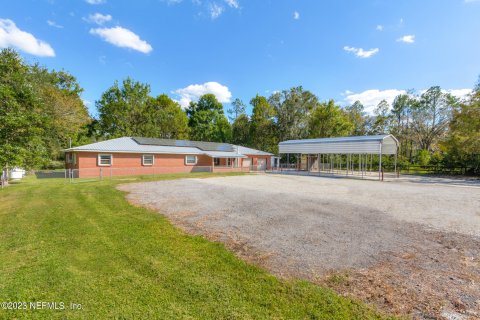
<point x="365" y="50"/>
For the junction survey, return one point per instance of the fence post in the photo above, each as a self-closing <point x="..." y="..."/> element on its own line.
<point x="101" y="172"/>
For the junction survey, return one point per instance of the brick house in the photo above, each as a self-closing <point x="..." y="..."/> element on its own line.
<point x="137" y="156"/>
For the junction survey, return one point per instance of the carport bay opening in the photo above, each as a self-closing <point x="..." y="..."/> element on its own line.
<point x="355" y="156"/>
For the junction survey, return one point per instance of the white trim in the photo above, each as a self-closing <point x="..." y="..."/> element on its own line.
<point x="148" y="164"/>
<point x="105" y="165"/>
<point x="191" y="164"/>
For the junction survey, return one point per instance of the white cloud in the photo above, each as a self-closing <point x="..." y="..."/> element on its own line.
<point x="379" y="27"/>
<point x="233" y="3"/>
<point x="52" y="23"/>
<point x="409" y="38"/>
<point x="11" y="36"/>
<point x="296" y="15"/>
<point x="95" y="1"/>
<point x="371" y="98"/>
<point x="98" y="18"/>
<point x="361" y="53"/>
<point x="194" y="91"/>
<point x="216" y="10"/>
<point x="123" y="38"/>
<point x="460" y="93"/>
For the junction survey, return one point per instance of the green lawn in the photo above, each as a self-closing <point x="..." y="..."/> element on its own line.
<point x="84" y="243"/>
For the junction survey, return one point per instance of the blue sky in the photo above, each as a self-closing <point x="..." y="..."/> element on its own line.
<point x="344" y="50"/>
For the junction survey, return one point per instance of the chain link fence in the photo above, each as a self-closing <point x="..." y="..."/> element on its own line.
<point x="101" y="173"/>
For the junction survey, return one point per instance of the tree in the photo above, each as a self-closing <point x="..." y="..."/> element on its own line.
<point x="40" y="110"/>
<point x="463" y="142"/>
<point x="329" y="120"/>
<point x="21" y="127"/>
<point x="356" y="114"/>
<point x="207" y="120"/>
<point x="381" y="124"/>
<point x="67" y="115"/>
<point x="262" y="125"/>
<point x="241" y="130"/>
<point x="122" y="109"/>
<point x="431" y="116"/>
<point x="166" y="119"/>
<point x="401" y="123"/>
<point x="293" y="108"/>
<point x="238" y="108"/>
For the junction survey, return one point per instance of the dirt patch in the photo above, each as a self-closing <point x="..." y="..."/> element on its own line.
<point x="416" y="256"/>
<point x="443" y="274"/>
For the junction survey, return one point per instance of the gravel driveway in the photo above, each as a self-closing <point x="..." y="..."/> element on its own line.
<point x="410" y="247"/>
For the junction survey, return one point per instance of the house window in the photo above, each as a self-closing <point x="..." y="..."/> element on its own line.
<point x="148" y="159"/>
<point x="104" y="159"/>
<point x="190" y="160"/>
<point x="229" y="162"/>
<point x="216" y="161"/>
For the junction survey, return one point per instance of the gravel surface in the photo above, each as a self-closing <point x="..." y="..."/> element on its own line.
<point x="411" y="246"/>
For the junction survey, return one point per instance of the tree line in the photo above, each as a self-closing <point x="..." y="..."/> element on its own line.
<point x="41" y="113"/>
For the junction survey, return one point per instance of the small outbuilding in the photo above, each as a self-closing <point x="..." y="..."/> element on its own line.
<point x="342" y="155"/>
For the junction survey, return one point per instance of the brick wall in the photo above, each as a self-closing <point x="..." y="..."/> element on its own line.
<point x="131" y="164"/>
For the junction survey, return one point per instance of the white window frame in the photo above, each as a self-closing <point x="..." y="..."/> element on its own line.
<point x="230" y="162"/>
<point x="190" y="164"/>
<point x="105" y="154"/>
<point x="148" y="164"/>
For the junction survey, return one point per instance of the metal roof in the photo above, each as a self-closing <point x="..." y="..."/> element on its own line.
<point x="339" y="139"/>
<point x="219" y="154"/>
<point x="250" y="151"/>
<point x="205" y="146"/>
<point x="386" y="144"/>
<point x="167" y="146"/>
<point x="128" y="145"/>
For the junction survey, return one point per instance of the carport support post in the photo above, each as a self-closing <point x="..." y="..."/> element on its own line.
<point x="348" y="162"/>
<point x="360" y="164"/>
<point x="380" y="164"/>
<point x="396" y="175"/>
<point x="340" y="164"/>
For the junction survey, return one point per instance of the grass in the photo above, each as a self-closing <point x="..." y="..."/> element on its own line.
<point x="84" y="243"/>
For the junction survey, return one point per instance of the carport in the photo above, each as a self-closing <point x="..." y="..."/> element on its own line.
<point x="350" y="156"/>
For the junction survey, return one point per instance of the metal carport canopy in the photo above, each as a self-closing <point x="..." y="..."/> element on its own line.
<point x="385" y="144"/>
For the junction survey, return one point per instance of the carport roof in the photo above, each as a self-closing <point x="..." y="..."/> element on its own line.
<point x="378" y="144"/>
<point x="377" y="138"/>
